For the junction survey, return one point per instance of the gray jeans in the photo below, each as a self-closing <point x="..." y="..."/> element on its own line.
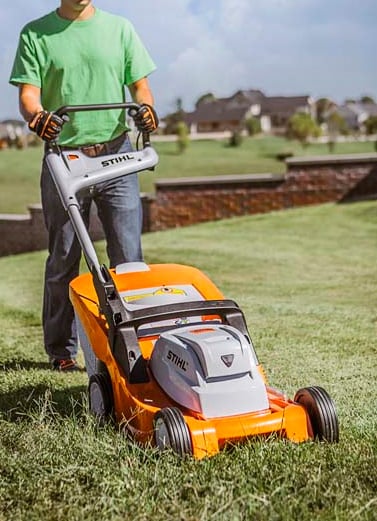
<point x="119" y="209"/>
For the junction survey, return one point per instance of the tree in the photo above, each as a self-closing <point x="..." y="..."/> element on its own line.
<point x="323" y="105"/>
<point x="179" y="105"/>
<point x="301" y="126"/>
<point x="253" y="126"/>
<point x="171" y="120"/>
<point x="336" y="125"/>
<point x="235" y="139"/>
<point x="175" y="124"/>
<point x="367" y="99"/>
<point x="183" y="139"/>
<point x="371" y="125"/>
<point x="205" y="98"/>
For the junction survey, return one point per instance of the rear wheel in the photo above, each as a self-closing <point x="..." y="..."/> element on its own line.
<point x="101" y="397"/>
<point x="171" y="431"/>
<point x="321" y="411"/>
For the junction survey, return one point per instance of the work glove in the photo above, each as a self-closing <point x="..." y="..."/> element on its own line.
<point x="146" y="119"/>
<point x="47" y="125"/>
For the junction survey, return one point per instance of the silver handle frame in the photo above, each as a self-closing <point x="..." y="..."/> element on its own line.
<point x="68" y="185"/>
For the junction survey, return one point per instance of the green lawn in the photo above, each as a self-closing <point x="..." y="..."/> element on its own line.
<point x="19" y="170"/>
<point x="307" y="282"/>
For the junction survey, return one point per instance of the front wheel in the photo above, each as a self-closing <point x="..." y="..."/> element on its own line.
<point x="101" y="401"/>
<point x="171" y="431"/>
<point x="321" y="411"/>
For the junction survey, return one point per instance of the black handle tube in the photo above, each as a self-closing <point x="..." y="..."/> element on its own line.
<point x="100" y="106"/>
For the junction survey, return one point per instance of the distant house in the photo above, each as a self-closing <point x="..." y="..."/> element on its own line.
<point x="279" y="109"/>
<point x="230" y="114"/>
<point x="355" y="114"/>
<point x="11" y="130"/>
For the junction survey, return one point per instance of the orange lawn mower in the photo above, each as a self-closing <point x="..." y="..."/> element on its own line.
<point x="169" y="358"/>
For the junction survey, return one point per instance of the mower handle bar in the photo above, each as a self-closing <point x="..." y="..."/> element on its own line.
<point x="96" y="106"/>
<point x="131" y="108"/>
<point x="69" y="185"/>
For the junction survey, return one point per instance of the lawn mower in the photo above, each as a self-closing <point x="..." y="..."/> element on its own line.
<point x="169" y="358"/>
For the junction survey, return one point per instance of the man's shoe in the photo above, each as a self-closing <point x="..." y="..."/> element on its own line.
<point x="67" y="365"/>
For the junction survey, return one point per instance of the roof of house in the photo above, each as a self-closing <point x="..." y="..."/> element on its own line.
<point x="251" y="96"/>
<point x="284" y="104"/>
<point x="236" y="107"/>
<point x="216" y="111"/>
<point x="361" y="108"/>
<point x="355" y="113"/>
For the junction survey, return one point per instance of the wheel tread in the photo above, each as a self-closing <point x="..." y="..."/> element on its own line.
<point x="178" y="431"/>
<point x="102" y="380"/>
<point x="321" y="411"/>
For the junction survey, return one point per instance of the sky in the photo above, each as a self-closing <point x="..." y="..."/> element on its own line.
<point x="322" y="48"/>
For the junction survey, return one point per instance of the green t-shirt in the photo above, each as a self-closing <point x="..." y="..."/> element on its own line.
<point x="82" y="62"/>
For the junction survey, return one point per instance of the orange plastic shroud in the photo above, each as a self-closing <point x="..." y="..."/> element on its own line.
<point x="136" y="404"/>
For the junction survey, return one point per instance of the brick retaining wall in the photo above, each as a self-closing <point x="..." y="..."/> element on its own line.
<point x="23" y="233"/>
<point x="333" y="178"/>
<point x="181" y="202"/>
<point x="312" y="180"/>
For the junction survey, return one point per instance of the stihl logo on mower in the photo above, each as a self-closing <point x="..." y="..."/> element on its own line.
<point x="179" y="362"/>
<point x="118" y="159"/>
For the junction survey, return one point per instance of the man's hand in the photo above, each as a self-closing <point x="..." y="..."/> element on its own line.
<point x="146" y="119"/>
<point x="47" y="125"/>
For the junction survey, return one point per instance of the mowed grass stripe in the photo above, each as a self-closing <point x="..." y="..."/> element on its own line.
<point x="306" y="280"/>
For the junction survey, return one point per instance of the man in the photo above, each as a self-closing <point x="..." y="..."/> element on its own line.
<point x="75" y="55"/>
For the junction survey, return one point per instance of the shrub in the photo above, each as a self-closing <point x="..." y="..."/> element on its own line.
<point x="301" y="126"/>
<point x="235" y="139"/>
<point x="253" y="126"/>
<point x="282" y="156"/>
<point x="183" y="139"/>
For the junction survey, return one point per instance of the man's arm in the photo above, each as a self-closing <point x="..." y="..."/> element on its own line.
<point x="141" y="92"/>
<point x="29" y="100"/>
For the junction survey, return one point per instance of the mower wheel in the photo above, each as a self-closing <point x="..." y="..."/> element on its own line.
<point x="171" y="431"/>
<point x="321" y="411"/>
<point x="101" y="397"/>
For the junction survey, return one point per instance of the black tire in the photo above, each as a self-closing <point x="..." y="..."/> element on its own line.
<point x="321" y="411"/>
<point x="101" y="402"/>
<point x="171" y="431"/>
